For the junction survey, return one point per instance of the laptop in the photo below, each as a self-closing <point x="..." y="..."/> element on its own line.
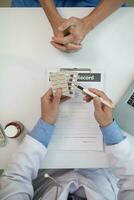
<point x="124" y="110"/>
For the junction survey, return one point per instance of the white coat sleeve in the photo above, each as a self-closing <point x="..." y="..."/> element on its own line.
<point x="121" y="159"/>
<point x="16" y="182"/>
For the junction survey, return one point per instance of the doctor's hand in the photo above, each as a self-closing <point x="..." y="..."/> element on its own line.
<point x="50" y="105"/>
<point x="103" y="114"/>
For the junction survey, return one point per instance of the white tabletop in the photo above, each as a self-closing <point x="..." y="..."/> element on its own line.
<point x="25" y="54"/>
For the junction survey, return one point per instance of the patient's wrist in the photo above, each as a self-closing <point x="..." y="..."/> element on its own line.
<point x="88" y="23"/>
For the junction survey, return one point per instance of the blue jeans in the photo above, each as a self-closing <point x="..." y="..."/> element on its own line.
<point x="58" y="3"/>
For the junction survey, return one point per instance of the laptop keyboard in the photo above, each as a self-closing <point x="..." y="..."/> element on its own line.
<point x="131" y="100"/>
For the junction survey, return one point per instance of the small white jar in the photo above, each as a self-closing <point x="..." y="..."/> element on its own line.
<point x="14" y="129"/>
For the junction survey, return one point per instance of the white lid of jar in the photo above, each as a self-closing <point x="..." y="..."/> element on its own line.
<point x="11" y="131"/>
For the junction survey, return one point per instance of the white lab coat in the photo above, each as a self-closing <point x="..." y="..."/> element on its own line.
<point x="16" y="182"/>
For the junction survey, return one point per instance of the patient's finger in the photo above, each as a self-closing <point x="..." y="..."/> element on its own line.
<point x="74" y="47"/>
<point x="64" y="40"/>
<point x="59" y="46"/>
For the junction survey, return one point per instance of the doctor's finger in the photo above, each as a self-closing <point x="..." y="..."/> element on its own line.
<point x="97" y="105"/>
<point x="48" y="95"/>
<point x="99" y="93"/>
<point x="87" y="98"/>
<point x="64" y="98"/>
<point x="57" y="96"/>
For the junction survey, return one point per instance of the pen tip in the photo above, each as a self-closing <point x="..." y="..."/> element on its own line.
<point x="75" y="84"/>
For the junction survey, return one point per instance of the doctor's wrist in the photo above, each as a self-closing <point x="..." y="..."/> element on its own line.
<point x="42" y="132"/>
<point x="112" y="134"/>
<point x="106" y="124"/>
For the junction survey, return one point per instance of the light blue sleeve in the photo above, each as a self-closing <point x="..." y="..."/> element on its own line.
<point x="42" y="132"/>
<point x="112" y="134"/>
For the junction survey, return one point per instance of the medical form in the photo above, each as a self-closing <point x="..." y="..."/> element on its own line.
<point x="76" y="127"/>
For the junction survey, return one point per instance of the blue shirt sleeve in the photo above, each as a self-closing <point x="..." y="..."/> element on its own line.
<point x="42" y="132"/>
<point x="112" y="134"/>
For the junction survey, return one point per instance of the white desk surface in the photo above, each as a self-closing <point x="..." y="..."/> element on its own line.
<point x="25" y="53"/>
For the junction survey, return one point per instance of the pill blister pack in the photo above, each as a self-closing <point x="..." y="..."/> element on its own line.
<point x="72" y="80"/>
<point x="64" y="80"/>
<point x="59" y="80"/>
